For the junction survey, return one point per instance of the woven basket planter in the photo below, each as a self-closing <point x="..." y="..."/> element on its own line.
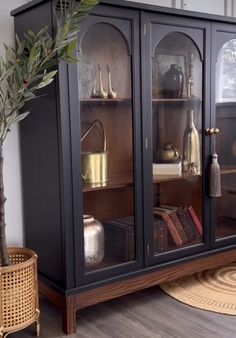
<point x="19" y="302"/>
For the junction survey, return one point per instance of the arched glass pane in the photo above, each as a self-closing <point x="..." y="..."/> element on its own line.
<point x="177" y="143"/>
<point x="226" y="139"/>
<point x="226" y="73"/>
<point x="107" y="147"/>
<point x="104" y="45"/>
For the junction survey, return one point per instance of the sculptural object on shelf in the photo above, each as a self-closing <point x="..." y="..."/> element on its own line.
<point x="172" y="86"/>
<point x="101" y="93"/>
<point x="169" y="153"/>
<point x="94" y="93"/>
<point x="190" y="79"/>
<point x="111" y="93"/>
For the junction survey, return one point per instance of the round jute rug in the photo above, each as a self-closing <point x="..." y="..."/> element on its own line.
<point x="212" y="290"/>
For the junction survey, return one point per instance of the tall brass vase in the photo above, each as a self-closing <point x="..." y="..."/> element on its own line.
<point x="191" y="146"/>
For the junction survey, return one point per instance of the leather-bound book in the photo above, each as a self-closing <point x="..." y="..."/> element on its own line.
<point x="195" y="219"/>
<point x="160" y="234"/>
<point x="171" y="210"/>
<point x="188" y="224"/>
<point x="170" y="225"/>
<point x="119" y="240"/>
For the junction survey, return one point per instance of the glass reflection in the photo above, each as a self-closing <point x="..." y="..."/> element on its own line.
<point x="226" y="140"/>
<point x="177" y="143"/>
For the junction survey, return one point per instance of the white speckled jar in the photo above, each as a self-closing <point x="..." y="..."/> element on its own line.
<point x="93" y="241"/>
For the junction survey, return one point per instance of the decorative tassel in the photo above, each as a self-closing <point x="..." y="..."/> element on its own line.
<point x="215" y="182"/>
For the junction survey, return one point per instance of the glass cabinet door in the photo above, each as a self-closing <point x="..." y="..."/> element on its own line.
<point x="177" y="142"/>
<point x="225" y="121"/>
<point x="107" y="147"/>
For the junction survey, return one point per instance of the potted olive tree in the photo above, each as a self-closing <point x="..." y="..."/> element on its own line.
<point x="24" y="70"/>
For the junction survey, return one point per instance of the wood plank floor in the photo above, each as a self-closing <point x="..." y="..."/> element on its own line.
<point x="146" y="314"/>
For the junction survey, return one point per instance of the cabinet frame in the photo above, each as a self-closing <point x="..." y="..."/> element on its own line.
<point x="189" y="28"/>
<point x="65" y="285"/>
<point x="105" y="15"/>
<point x="221" y="33"/>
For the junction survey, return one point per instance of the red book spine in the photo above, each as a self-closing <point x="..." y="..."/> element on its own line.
<point x="170" y="225"/>
<point x="195" y="219"/>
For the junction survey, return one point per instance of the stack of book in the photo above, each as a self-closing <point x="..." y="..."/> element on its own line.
<point x="181" y="222"/>
<point x="160" y="235"/>
<point x="174" y="168"/>
<point x="119" y="238"/>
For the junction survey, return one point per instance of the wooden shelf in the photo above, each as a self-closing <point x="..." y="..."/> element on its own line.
<point x="172" y="247"/>
<point x="125" y="182"/>
<point x="99" y="101"/>
<point x="225" y="103"/>
<point x="121" y="181"/>
<point x="107" y="262"/>
<point x="176" y="100"/>
<point x="167" y="178"/>
<point x="228" y="170"/>
<point x="225" y="227"/>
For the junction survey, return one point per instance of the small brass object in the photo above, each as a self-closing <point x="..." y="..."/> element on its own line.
<point x="170" y="153"/>
<point x="212" y="131"/>
<point x="95" y="163"/>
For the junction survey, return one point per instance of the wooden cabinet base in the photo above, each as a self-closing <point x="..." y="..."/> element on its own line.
<point x="70" y="304"/>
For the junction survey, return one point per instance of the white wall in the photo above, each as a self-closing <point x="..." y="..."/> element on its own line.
<point x="213" y="7"/>
<point x="165" y="3"/>
<point x="12" y="175"/>
<point x="221" y="7"/>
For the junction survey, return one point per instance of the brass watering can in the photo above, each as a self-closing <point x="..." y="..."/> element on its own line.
<point x="95" y="163"/>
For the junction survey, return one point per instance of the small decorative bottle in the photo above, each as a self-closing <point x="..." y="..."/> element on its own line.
<point x="191" y="146"/>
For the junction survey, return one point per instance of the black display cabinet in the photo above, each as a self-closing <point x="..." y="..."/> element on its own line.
<point x="116" y="155"/>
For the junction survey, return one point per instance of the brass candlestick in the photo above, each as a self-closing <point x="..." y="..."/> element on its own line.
<point x="190" y="79"/>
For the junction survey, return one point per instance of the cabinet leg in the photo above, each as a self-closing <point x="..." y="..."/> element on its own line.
<point x="69" y="317"/>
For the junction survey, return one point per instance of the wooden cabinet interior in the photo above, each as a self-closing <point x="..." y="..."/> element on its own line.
<point x="165" y="129"/>
<point x="226" y="145"/>
<point x="109" y="204"/>
<point x="177" y="48"/>
<point x="104" y="45"/>
<point x="117" y="124"/>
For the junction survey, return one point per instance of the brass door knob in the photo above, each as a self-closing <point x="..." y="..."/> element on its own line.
<point x="212" y="131"/>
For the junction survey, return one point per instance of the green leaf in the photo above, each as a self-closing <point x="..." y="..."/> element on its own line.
<point x="72" y="47"/>
<point x="50" y="75"/>
<point x="44" y="83"/>
<point x="31" y="33"/>
<point x="33" y="65"/>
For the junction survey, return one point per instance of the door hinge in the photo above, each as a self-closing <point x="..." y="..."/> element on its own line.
<point x="148" y="250"/>
<point x="145" y="29"/>
<point x="146" y="143"/>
